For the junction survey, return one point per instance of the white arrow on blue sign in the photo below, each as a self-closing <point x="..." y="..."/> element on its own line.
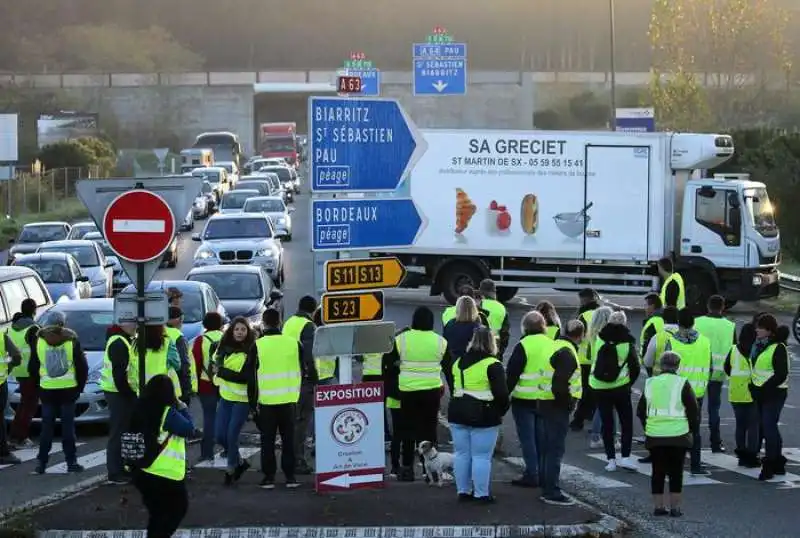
<point x="370" y="81"/>
<point x="363" y="224"/>
<point x="360" y="145"/>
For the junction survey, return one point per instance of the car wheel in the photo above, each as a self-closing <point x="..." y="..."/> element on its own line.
<point x="173" y="260"/>
<point x="288" y="238"/>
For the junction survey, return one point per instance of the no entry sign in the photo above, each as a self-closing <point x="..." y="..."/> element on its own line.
<point x="139" y="226"/>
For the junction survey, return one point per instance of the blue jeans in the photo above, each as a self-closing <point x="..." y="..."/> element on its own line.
<point x="597" y="426"/>
<point x="747" y="427"/>
<point x="525" y="419"/>
<point x="49" y="413"/>
<point x="231" y="417"/>
<point x="770" y="410"/>
<point x="208" y="402"/>
<point x="714" y="397"/>
<point x="551" y="435"/>
<point x="473" y="458"/>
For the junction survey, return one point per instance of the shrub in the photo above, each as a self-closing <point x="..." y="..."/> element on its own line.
<point x="80" y="153"/>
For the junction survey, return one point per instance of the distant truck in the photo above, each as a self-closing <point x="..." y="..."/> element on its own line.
<point x="224" y="144"/>
<point x="571" y="210"/>
<point x="192" y="158"/>
<point x="279" y="140"/>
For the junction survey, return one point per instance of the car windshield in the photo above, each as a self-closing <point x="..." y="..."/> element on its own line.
<point x="51" y="271"/>
<point x="262" y="188"/>
<point x="232" y="286"/>
<point x="236" y="199"/>
<point x="282" y="172"/>
<point x="86" y="256"/>
<point x="207" y="188"/>
<point x="237" y="228"/>
<point x="264" y="206"/>
<point x="208" y="175"/>
<point x="79" y="231"/>
<point x="191" y="304"/>
<point x="761" y="210"/>
<point x="91" y="326"/>
<point x="42" y="233"/>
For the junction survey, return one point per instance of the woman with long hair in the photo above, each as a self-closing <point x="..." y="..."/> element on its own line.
<point x="165" y="422"/>
<point x="548" y="310"/>
<point x="458" y="331"/>
<point x="233" y="372"/>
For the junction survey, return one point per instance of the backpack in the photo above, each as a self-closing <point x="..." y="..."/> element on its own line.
<point x="211" y="351"/>
<point x="56" y="363"/>
<point x="606" y="366"/>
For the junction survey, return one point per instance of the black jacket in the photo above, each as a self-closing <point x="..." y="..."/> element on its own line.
<point x="780" y="366"/>
<point x="120" y="357"/>
<point x="649" y="333"/>
<point x="564" y="365"/>
<point x="671" y="294"/>
<point x="614" y="334"/>
<point x="55" y="336"/>
<point x="250" y="368"/>
<point x="307" y="340"/>
<point x="458" y="335"/>
<point x="468" y="411"/>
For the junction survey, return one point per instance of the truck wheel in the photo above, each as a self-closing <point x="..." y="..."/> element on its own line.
<point x="796" y="325"/>
<point x="505" y="294"/>
<point x="455" y="276"/>
<point x="699" y="287"/>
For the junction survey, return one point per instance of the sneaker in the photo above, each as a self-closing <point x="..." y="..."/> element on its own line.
<point x="240" y="470"/>
<point x="700" y="471"/>
<point x="9" y="459"/>
<point x="558" y="499"/>
<point x="611" y="466"/>
<point x="267" y="483"/>
<point x="660" y="512"/>
<point x="525" y="482"/>
<point x="718" y="449"/>
<point x="75" y="468"/>
<point x="465" y="497"/>
<point x="596" y="443"/>
<point x="292" y="483"/>
<point x="39" y="469"/>
<point x="394" y="472"/>
<point x="628" y="464"/>
<point x="675" y="512"/>
<point x="489" y="499"/>
<point x="646" y="459"/>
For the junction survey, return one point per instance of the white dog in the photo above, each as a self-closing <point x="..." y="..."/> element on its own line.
<point x="438" y="466"/>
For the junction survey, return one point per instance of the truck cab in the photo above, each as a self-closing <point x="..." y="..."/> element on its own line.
<point x="196" y="158"/>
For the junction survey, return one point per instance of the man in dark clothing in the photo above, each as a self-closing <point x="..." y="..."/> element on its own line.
<point x="496" y="313"/>
<point x="23" y="334"/>
<point x="173" y="328"/>
<point x="6" y="457"/>
<point x="53" y="341"/>
<point x="672" y="293"/>
<point x="119" y="394"/>
<point x="584" y="411"/>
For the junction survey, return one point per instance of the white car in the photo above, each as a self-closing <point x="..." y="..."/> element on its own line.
<point x="233" y="201"/>
<point x="200" y="207"/>
<point x="276" y="210"/>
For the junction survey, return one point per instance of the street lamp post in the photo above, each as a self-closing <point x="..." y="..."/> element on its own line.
<point x="613" y="54"/>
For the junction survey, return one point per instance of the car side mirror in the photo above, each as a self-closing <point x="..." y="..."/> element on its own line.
<point x="82" y="278"/>
<point x="108" y="265"/>
<point x="196" y="237"/>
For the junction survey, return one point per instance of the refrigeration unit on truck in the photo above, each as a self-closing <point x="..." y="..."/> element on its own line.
<point x="279" y="140"/>
<point x="570" y="210"/>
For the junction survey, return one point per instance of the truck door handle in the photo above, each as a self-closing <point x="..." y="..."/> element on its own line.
<point x="697" y="249"/>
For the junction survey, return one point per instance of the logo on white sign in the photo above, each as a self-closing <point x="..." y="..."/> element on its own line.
<point x="349" y="426"/>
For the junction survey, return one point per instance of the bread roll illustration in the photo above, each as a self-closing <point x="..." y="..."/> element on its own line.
<point x="465" y="210"/>
<point x="529" y="214"/>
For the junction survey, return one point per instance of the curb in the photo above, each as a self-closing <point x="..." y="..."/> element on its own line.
<point x="62" y="494"/>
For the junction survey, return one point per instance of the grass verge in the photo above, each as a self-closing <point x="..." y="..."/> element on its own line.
<point x="69" y="211"/>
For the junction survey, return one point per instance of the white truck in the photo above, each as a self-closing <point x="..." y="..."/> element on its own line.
<point x="570" y="210"/>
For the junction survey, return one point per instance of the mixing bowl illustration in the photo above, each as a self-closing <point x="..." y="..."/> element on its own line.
<point x="573" y="224"/>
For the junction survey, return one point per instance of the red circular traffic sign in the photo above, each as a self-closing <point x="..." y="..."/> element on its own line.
<point x="139" y="226"/>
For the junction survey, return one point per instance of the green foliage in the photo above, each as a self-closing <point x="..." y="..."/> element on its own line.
<point x="79" y="153"/>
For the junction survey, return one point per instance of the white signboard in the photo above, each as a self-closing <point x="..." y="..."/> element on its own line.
<point x="349" y="428"/>
<point x="9" y="126"/>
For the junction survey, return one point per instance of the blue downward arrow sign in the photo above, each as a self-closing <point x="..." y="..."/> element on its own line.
<point x="348" y="224"/>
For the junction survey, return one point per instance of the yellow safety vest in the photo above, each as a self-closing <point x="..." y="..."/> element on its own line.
<point x="720" y="332"/>
<point x="228" y="390"/>
<point x="421" y="354"/>
<point x="373" y="364"/>
<point x="155" y="363"/>
<point x="448" y="314"/>
<point x="695" y="364"/>
<point x="763" y="369"/>
<point x="678" y="279"/>
<point x="66" y="381"/>
<point x="496" y="314"/>
<point x="662" y="338"/>
<point x="278" y="370"/>
<point x="476" y="380"/>
<point x="575" y="386"/>
<point x="106" y="374"/>
<point x="584" y="354"/>
<point x="3" y="363"/>
<point x="657" y="322"/>
<point x="208" y="338"/>
<point x="175" y="335"/>
<point x="326" y="367"/>
<point x="739" y="381"/>
<point x="20" y="339"/>
<point x="624" y="376"/>
<point x="294" y="326"/>
<point x="392" y="403"/>
<point x="666" y="414"/>
<point x="533" y="383"/>
<point x="171" y="461"/>
<point x="551" y="332"/>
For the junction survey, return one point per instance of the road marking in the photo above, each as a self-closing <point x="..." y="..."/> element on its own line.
<point x="221" y="463"/>
<point x="570" y="472"/>
<point x="730" y="463"/>
<point x="89" y="461"/>
<point x="28" y="454"/>
<point x="647" y="470"/>
<point x="139" y="226"/>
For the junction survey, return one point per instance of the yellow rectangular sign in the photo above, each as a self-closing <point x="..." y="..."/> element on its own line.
<point x="363" y="274"/>
<point x="352" y="307"/>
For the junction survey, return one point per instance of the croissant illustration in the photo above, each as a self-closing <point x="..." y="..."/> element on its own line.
<point x="465" y="210"/>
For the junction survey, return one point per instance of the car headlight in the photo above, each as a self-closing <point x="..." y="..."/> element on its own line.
<point x="203" y="254"/>
<point x="281" y="220"/>
<point x="756" y="280"/>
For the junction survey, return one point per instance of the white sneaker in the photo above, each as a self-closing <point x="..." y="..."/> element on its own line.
<point x="628" y="464"/>
<point x="595" y="443"/>
<point x="611" y="466"/>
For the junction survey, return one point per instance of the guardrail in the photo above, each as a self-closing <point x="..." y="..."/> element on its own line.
<point x="790" y="282"/>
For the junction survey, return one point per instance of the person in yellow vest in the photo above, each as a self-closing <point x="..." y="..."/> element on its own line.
<point x="23" y="335"/>
<point x="721" y="332"/>
<point x="585" y="410"/>
<point x="449" y="313"/>
<point x="615" y="368"/>
<point x="301" y="327"/>
<point x="116" y="382"/>
<point x="186" y="374"/>
<point x="274" y="390"/>
<point x="459" y="330"/>
<point x="161" y="357"/>
<point x="59" y="366"/>
<point x="233" y="371"/>
<point x="327" y="367"/>
<point x="696" y="366"/>
<point x="161" y="480"/>
<point x="417" y="359"/>
<point x="10" y="359"/>
<point x="479" y="400"/>
<point x="669" y="413"/>
<point x="546" y="309"/>
<point x="497" y="314"/>
<point x="203" y="349"/>
<point x="401" y="444"/>
<point x="738" y="367"/>
<point x="653" y="321"/>
<point x="673" y="290"/>
<point x="769" y="384"/>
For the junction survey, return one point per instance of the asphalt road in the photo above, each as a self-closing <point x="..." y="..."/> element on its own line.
<point x="724" y="504"/>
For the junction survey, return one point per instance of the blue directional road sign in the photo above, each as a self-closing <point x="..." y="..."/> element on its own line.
<point x="635" y="120"/>
<point x="370" y="81"/>
<point x="440" y="68"/>
<point x="362" y="224"/>
<point x="360" y="145"/>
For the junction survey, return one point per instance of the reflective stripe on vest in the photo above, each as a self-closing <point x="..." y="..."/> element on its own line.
<point x="20" y="339"/>
<point x="739" y="381"/>
<point x="171" y="461"/>
<point x="448" y="314"/>
<point x="584" y="355"/>
<point x="534" y="382"/>
<point x="763" y="369"/>
<point x="678" y="279"/>
<point x="719" y="332"/>
<point x="294" y="326"/>
<point x="106" y="374"/>
<point x="66" y="381"/>
<point x="228" y="390"/>
<point x="695" y="364"/>
<point x="326" y="367"/>
<point x="657" y="322"/>
<point x="278" y="370"/>
<point x="373" y="364"/>
<point x="421" y="354"/>
<point x="476" y="380"/>
<point x="575" y="385"/>
<point x="624" y="376"/>
<point x="209" y="338"/>
<point x="392" y="403"/>
<point x="3" y="363"/>
<point x="551" y="331"/>
<point x="497" y="314"/>
<point x="666" y="415"/>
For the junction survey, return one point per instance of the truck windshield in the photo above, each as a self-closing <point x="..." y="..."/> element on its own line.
<point x="279" y="144"/>
<point x="761" y="211"/>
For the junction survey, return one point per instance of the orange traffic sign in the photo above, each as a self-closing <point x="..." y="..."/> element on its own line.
<point x="352" y="307"/>
<point x="363" y="274"/>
